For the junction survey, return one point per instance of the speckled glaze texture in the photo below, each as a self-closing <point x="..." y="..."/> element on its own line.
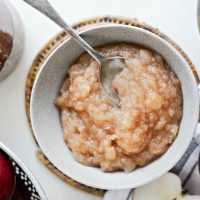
<point x="46" y="121"/>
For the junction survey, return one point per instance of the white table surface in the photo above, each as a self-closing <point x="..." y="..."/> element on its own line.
<point x="176" y="18"/>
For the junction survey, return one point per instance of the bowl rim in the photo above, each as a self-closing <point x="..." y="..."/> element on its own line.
<point x="25" y="169"/>
<point x="160" y="172"/>
<point x="198" y="15"/>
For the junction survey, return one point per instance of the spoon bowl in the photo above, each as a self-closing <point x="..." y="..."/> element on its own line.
<point x="110" y="67"/>
<point x="115" y="64"/>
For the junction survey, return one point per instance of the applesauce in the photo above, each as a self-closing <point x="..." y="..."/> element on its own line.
<point x="102" y="135"/>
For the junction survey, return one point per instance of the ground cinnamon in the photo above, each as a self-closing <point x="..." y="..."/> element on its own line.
<point x="5" y="47"/>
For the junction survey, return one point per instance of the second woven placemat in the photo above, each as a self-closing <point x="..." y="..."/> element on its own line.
<point x="50" y="46"/>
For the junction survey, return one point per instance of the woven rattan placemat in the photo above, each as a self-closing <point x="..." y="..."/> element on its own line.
<point x="50" y="46"/>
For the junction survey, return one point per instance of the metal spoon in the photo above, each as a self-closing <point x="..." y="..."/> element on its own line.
<point x="108" y="67"/>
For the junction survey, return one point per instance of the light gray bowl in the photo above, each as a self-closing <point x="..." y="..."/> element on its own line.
<point x="46" y="118"/>
<point x="11" y="23"/>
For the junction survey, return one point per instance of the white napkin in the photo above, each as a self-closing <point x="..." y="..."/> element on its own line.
<point x="186" y="169"/>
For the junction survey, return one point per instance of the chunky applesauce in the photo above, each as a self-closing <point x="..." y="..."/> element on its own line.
<point x="103" y="135"/>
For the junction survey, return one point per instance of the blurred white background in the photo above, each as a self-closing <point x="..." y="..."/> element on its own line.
<point x="177" y="19"/>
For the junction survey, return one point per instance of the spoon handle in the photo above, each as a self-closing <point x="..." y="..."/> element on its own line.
<point x="46" y="8"/>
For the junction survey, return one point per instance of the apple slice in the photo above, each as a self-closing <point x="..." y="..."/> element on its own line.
<point x="191" y="197"/>
<point x="7" y="177"/>
<point x="166" y="187"/>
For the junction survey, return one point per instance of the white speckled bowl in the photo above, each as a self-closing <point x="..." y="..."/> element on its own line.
<point x="46" y="121"/>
